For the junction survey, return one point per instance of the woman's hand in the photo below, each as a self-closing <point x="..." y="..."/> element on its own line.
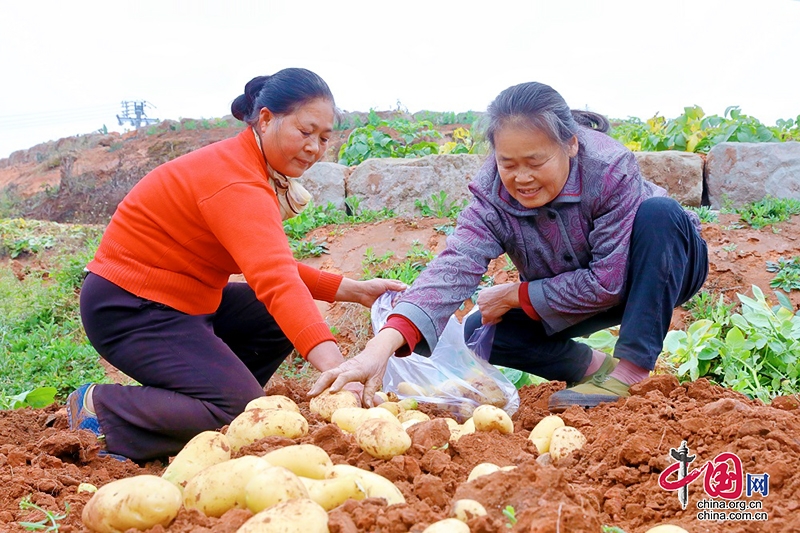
<point x="366" y="292"/>
<point x="496" y="301"/>
<point x="367" y="367"/>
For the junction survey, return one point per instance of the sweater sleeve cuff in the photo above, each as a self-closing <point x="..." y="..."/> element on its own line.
<point x="525" y="301"/>
<point x="322" y="285"/>
<point x="409" y="332"/>
<point x="311" y="336"/>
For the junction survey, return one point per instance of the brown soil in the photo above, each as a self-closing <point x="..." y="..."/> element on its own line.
<point x="612" y="481"/>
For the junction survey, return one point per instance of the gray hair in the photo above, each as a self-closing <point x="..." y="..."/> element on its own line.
<point x="541" y="107"/>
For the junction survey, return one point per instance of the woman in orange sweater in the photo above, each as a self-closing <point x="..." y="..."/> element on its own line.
<point x="157" y="303"/>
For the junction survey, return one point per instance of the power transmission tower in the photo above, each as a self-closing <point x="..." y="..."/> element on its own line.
<point x="134" y="112"/>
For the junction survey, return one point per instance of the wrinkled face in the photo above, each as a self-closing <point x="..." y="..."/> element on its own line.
<point x="294" y="142"/>
<point x="532" y="167"/>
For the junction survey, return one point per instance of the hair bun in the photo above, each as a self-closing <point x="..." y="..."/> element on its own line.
<point x="242" y="106"/>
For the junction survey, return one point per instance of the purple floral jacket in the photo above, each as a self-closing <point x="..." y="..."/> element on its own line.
<point x="573" y="251"/>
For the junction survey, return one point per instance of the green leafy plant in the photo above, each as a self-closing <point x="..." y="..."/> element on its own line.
<point x="694" y="131"/>
<point x="51" y="519"/>
<point x="756" y="351"/>
<point x="36" y="398"/>
<point x="612" y="529"/>
<point x="769" y="211"/>
<point x="439" y="206"/>
<point x="393" y="138"/>
<point x="462" y="143"/>
<point x="603" y="340"/>
<point x="787" y="273"/>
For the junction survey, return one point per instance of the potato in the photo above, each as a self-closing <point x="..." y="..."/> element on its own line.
<point x="466" y="510"/>
<point x="543" y="431"/>
<point x="293" y="516"/>
<point x="392" y="407"/>
<point x="382" y="439"/>
<point x="305" y="460"/>
<point x="380" y="412"/>
<point x="139" y="502"/>
<point x="349" y="418"/>
<point x="408" y="404"/>
<point x="408" y="423"/>
<point x="482" y="469"/>
<point x="221" y="487"/>
<point x="375" y="485"/>
<point x="486" y="391"/>
<point x="466" y="428"/>
<point x="564" y="441"/>
<point x="419" y="416"/>
<point x="448" y="525"/>
<point x="451" y="387"/>
<point x="205" y="449"/>
<point x="327" y="402"/>
<point x="274" y="401"/>
<point x="489" y="417"/>
<point x="666" y="528"/>
<point x="333" y="492"/>
<point x="382" y="396"/>
<point x="272" y="486"/>
<point x="409" y="389"/>
<point x="256" y="424"/>
<point x="451" y="423"/>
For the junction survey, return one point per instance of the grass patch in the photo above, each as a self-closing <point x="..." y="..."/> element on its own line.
<point x="43" y="342"/>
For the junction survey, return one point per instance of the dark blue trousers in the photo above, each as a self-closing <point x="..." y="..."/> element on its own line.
<point x="197" y="371"/>
<point x="667" y="265"/>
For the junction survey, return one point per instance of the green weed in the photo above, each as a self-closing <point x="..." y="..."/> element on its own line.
<point x="705" y="213"/>
<point x="769" y="211"/>
<point x="42" y="343"/>
<point x="787" y="274"/>
<point x="310" y="248"/>
<point x="51" y="519"/>
<point x="439" y="206"/>
<point x="407" y="270"/>
<point x="703" y="306"/>
<point x="511" y="515"/>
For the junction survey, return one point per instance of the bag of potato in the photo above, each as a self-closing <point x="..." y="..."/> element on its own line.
<point x="452" y="378"/>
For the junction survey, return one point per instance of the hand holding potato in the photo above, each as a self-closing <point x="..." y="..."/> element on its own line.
<point x="367" y="367"/>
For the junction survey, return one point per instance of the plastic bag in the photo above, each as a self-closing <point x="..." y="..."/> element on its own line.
<point x="453" y="377"/>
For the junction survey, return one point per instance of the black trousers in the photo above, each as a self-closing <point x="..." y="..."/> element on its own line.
<point x="667" y="265"/>
<point x="197" y="371"/>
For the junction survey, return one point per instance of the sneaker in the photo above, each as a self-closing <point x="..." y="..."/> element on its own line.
<point x="599" y="375"/>
<point x="78" y="415"/>
<point x="589" y="394"/>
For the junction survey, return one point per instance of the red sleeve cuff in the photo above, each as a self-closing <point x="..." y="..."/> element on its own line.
<point x="409" y="332"/>
<point x="525" y="301"/>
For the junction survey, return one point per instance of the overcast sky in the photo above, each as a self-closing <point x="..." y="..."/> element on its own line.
<point x="67" y="65"/>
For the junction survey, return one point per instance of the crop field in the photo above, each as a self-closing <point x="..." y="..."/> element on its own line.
<point x="725" y="390"/>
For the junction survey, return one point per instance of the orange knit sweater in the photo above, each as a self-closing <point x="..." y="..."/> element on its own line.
<point x="192" y="222"/>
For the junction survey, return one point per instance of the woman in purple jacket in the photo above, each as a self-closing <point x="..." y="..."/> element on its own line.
<point x="594" y="243"/>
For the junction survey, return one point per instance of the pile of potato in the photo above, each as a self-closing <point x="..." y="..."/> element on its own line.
<point x="459" y="396"/>
<point x="297" y="481"/>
